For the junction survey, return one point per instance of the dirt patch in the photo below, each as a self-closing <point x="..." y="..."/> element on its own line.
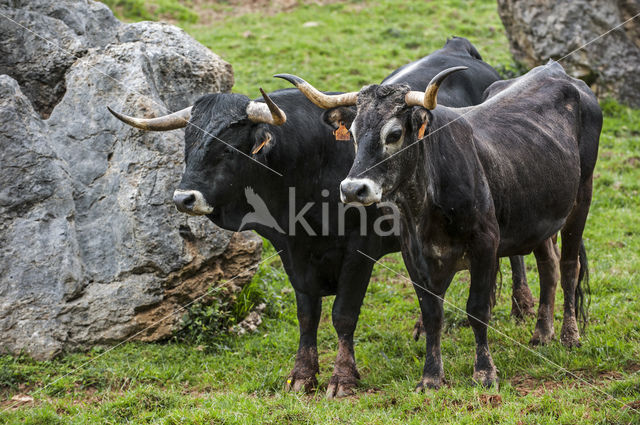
<point x="391" y="260"/>
<point x="633" y="162"/>
<point x="492" y="400"/>
<point x="18" y="401"/>
<point x="632" y="367"/>
<point x="635" y="405"/>
<point x="525" y="384"/>
<point x="616" y="244"/>
<point x="209" y="12"/>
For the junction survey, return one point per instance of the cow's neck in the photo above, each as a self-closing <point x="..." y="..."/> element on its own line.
<point x="445" y="173"/>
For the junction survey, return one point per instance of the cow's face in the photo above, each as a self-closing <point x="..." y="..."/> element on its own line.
<point x="220" y="143"/>
<point x="383" y="127"/>
<point x="389" y="119"/>
<point x="227" y="139"/>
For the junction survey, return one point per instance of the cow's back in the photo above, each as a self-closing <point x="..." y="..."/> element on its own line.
<point x="458" y="90"/>
<point x="589" y="119"/>
<point x="529" y="136"/>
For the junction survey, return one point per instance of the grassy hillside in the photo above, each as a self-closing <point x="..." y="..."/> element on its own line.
<point x="220" y="379"/>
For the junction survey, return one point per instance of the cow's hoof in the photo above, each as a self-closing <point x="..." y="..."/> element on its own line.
<point x="430" y="383"/>
<point x="542" y="337"/>
<point x="418" y="329"/>
<point x="486" y="378"/>
<point x="570" y="341"/>
<point x="522" y="303"/>
<point x="340" y="386"/>
<point x="300" y="383"/>
<point x="520" y="313"/>
<point x="569" y="336"/>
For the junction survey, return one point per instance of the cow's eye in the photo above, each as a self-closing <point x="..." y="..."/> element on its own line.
<point x="394" y="135"/>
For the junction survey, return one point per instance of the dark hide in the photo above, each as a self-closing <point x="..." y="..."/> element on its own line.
<point x="458" y="90"/>
<point x="311" y="160"/>
<point x="501" y="178"/>
<point x="306" y="153"/>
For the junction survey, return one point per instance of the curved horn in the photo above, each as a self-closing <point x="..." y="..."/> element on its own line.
<point x="428" y="99"/>
<point x="167" y="122"/>
<point x="267" y="112"/>
<point x="322" y="100"/>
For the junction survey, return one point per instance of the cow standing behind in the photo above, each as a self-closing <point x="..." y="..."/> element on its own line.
<point x="501" y="178"/>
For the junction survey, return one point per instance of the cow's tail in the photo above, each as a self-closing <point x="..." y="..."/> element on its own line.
<point x="497" y="289"/>
<point x="583" y="290"/>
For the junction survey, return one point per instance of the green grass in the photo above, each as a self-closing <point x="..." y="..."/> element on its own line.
<point x="208" y="377"/>
<point x="151" y="11"/>
<point x="355" y="43"/>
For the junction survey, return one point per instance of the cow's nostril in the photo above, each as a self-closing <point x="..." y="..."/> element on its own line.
<point x="358" y="191"/>
<point x="363" y="192"/>
<point x="189" y="201"/>
<point x="184" y="201"/>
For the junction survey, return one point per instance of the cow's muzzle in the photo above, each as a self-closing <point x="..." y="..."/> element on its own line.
<point x="191" y="202"/>
<point x="360" y="191"/>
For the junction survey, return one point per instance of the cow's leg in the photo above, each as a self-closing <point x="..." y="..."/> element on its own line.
<point x="548" y="269"/>
<point x="431" y="305"/>
<point x="306" y="368"/>
<point x="522" y="302"/>
<point x="570" y="263"/>
<point x="483" y="270"/>
<point x="354" y="279"/>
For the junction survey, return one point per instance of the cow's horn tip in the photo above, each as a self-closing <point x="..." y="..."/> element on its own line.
<point x="115" y="114"/>
<point x="290" y="78"/>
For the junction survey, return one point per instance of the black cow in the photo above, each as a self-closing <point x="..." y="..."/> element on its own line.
<point x="234" y="150"/>
<point x="501" y="178"/>
<point x="221" y="182"/>
<point x="461" y="90"/>
<point x="457" y="91"/>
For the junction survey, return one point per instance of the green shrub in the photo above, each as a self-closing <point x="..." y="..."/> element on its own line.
<point x="208" y="323"/>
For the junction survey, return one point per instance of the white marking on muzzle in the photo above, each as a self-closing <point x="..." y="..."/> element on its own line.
<point x="200" y="205"/>
<point x="372" y="191"/>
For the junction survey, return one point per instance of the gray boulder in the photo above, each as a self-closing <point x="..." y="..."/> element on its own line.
<point x="93" y="251"/>
<point x="39" y="255"/>
<point x="543" y="29"/>
<point x="41" y="39"/>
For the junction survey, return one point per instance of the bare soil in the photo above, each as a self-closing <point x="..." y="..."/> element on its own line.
<point x="212" y="11"/>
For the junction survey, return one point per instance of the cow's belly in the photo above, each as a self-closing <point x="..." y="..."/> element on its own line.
<point x="530" y="214"/>
<point x="524" y="240"/>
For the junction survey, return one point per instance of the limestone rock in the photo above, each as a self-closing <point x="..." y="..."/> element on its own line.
<point x="542" y="29"/>
<point x="41" y="39"/>
<point x="39" y="254"/>
<point x="93" y="250"/>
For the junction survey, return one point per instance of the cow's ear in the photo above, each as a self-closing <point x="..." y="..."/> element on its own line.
<point x="420" y="121"/>
<point x="263" y="141"/>
<point x="340" y="114"/>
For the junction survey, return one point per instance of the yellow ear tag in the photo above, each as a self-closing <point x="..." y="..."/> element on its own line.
<point x="422" y="130"/>
<point x="342" y="133"/>
<point x="264" y="142"/>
